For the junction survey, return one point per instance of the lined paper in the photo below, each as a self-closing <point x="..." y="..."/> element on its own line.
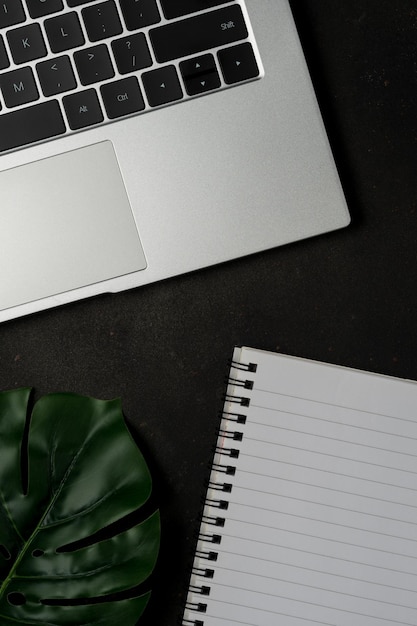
<point x="321" y="522"/>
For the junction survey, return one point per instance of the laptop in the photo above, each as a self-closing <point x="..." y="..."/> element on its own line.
<point x="142" y="139"/>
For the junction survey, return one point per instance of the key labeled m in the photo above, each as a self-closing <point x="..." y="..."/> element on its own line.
<point x="18" y="87"/>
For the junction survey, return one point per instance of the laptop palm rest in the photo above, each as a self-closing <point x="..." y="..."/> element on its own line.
<point x="88" y="233"/>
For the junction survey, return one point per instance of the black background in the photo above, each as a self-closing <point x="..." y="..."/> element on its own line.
<point x="347" y="298"/>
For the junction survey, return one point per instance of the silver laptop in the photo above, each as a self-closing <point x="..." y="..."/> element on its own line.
<point x="140" y="139"/>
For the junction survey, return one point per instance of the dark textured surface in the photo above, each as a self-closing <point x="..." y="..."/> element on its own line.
<point x="347" y="298"/>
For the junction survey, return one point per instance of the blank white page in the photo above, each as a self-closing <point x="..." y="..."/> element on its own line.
<point x="321" y="518"/>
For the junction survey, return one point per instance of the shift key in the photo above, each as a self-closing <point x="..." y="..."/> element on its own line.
<point x="199" y="33"/>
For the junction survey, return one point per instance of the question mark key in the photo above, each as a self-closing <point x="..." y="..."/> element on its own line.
<point x="131" y="53"/>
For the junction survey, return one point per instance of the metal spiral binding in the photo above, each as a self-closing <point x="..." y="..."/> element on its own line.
<point x="197" y="607"/>
<point x="213" y="521"/>
<point x="226" y="487"/>
<point x="206" y="572"/>
<point x="242" y="400"/>
<point x="247" y="367"/>
<point x="246" y="384"/>
<point x="233" y="453"/>
<point x="230" y="470"/>
<point x="195" y="622"/>
<point x="208" y="537"/>
<point x="234" y="417"/>
<point x="219" y="504"/>
<point x="203" y="589"/>
<point x="236" y="436"/>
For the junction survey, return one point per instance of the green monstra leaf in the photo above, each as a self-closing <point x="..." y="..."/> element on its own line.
<point x="81" y="472"/>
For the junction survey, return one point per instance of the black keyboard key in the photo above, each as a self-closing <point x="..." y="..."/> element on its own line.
<point x="34" y="123"/>
<point x="18" y="87"/>
<point x="40" y="8"/>
<point x="11" y="13"/>
<point x="122" y="97"/>
<point x="139" y="13"/>
<point x="83" y="109"/>
<point x="26" y="43"/>
<point x="64" y="32"/>
<point x="4" y="59"/>
<point x="77" y="3"/>
<point x="102" y="21"/>
<point x="179" y="8"/>
<point x="200" y="74"/>
<point x="56" y="76"/>
<point x="162" y="86"/>
<point x="94" y="64"/>
<point x="238" y="63"/>
<point x="131" y="53"/>
<point x="199" y="33"/>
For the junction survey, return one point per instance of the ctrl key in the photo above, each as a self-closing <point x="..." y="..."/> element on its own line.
<point x="122" y="97"/>
<point x="83" y="109"/>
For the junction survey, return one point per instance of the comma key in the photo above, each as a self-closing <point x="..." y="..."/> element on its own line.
<point x="56" y="75"/>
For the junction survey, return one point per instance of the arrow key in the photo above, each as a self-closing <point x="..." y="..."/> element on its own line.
<point x="203" y="83"/>
<point x="238" y="63"/>
<point x="162" y="86"/>
<point x="200" y="74"/>
<point x="56" y="75"/>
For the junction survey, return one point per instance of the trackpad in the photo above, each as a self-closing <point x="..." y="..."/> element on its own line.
<point x="65" y="223"/>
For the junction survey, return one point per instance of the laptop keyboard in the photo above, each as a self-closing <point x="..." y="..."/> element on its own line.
<point x="68" y="65"/>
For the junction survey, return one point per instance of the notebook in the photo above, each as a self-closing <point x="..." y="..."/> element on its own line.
<point x="141" y="139"/>
<point x="311" y="511"/>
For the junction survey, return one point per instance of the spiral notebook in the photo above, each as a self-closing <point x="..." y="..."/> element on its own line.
<point x="311" y="511"/>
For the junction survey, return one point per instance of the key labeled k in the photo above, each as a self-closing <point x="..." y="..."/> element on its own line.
<point x="26" y="43"/>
